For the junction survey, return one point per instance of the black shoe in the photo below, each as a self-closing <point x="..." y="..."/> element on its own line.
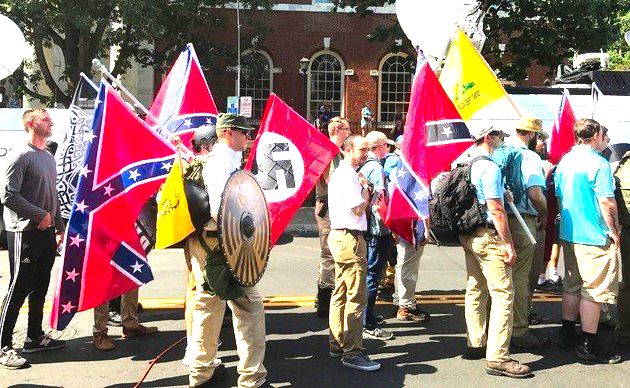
<point x="220" y="373"/>
<point x="534" y="319"/>
<point x="474" y="353"/>
<point x="568" y="340"/>
<point x="591" y="350"/>
<point x="43" y="343"/>
<point x="323" y="302"/>
<point x="114" y="319"/>
<point x="551" y="286"/>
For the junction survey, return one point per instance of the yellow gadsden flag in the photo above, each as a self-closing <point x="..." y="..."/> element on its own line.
<point x="468" y="80"/>
<point x="173" y="218"/>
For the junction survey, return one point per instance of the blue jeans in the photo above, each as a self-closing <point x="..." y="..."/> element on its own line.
<point x="378" y="250"/>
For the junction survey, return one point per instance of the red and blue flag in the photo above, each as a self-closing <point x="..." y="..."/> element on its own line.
<point x="184" y="101"/>
<point x="435" y="135"/>
<point x="102" y="254"/>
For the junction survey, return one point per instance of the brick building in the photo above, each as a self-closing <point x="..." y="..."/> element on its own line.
<point x="343" y="68"/>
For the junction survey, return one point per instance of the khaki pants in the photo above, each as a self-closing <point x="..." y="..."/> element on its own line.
<point x="521" y="272"/>
<point x="489" y="281"/>
<point x="538" y="262"/>
<point x="592" y="272"/>
<point x="407" y="265"/>
<point x="128" y="313"/>
<point x="623" y="304"/>
<point x="349" y="298"/>
<point x="326" y="266"/>
<point x="207" y="317"/>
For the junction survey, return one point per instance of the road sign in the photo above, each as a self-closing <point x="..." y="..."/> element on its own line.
<point x="246" y="106"/>
<point x="232" y="104"/>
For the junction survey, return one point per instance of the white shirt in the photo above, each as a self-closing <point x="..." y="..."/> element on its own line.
<point x="344" y="193"/>
<point x="222" y="161"/>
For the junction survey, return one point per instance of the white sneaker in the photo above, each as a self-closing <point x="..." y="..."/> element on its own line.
<point x="10" y="359"/>
<point x="377" y="333"/>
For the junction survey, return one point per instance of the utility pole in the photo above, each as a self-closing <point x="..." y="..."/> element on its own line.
<point x="238" y="49"/>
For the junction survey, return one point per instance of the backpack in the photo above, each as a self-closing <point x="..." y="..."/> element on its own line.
<point x="454" y="206"/>
<point x="196" y="194"/>
<point x="509" y="159"/>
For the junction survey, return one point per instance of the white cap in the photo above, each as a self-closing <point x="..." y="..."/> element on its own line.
<point x="376" y="138"/>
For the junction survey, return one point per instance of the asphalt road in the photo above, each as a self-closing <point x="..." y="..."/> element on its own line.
<point x="419" y="356"/>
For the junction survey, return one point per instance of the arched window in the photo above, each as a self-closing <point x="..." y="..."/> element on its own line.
<point x="256" y="80"/>
<point x="395" y="86"/>
<point x="325" y="83"/>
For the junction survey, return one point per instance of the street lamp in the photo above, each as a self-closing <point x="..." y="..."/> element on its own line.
<point x="304" y="62"/>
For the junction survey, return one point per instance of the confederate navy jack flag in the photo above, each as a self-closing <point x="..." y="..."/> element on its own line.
<point x="184" y="101"/>
<point x="125" y="164"/>
<point x="434" y="137"/>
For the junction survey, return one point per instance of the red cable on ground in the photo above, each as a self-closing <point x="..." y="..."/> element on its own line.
<point x="146" y="372"/>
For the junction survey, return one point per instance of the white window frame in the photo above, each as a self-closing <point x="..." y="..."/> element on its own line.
<point x="342" y="84"/>
<point x="380" y="81"/>
<point x="269" y="61"/>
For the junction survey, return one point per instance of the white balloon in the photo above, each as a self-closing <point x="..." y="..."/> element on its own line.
<point x="13" y="47"/>
<point x="430" y="25"/>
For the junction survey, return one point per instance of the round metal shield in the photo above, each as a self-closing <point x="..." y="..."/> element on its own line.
<point x="244" y="230"/>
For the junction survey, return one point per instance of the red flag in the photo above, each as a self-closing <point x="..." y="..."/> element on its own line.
<point x="562" y="140"/>
<point x="434" y="136"/>
<point x="184" y="101"/>
<point x="102" y="255"/>
<point x="288" y="157"/>
<point x="562" y="132"/>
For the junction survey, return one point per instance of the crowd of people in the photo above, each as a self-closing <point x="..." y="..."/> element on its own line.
<point x="361" y="259"/>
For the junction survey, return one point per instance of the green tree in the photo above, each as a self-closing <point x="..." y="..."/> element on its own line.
<point x="546" y="32"/>
<point x="84" y="30"/>
<point x="620" y="50"/>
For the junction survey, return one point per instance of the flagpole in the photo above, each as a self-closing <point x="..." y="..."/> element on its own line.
<point x="97" y="65"/>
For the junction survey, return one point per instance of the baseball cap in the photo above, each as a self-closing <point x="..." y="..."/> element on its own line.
<point x="376" y="138"/>
<point x="529" y="124"/>
<point x="231" y="120"/>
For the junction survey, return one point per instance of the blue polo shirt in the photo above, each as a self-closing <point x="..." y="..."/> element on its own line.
<point x="582" y="177"/>
<point x="485" y="175"/>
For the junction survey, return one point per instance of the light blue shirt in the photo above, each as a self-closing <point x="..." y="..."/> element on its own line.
<point x="582" y="177"/>
<point x="531" y="168"/>
<point x="485" y="175"/>
<point x="374" y="173"/>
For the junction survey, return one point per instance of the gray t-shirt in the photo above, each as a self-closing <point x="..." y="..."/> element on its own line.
<point x="29" y="189"/>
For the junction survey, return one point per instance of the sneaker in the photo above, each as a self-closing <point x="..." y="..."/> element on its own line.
<point x="591" y="350"/>
<point x="415" y="315"/>
<point x="472" y="353"/>
<point x="139" y="331"/>
<point x="551" y="286"/>
<point x="10" y="359"/>
<point x="360" y="361"/>
<point x="45" y="342"/>
<point x="102" y="342"/>
<point x="530" y="340"/>
<point x="510" y="368"/>
<point x="377" y="333"/>
<point x="114" y="319"/>
<point x="335" y="352"/>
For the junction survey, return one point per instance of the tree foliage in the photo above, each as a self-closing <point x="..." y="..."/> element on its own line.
<point x="546" y="32"/>
<point x="84" y="30"/>
<point x="620" y="50"/>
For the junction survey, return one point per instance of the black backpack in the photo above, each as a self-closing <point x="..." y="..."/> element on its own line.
<point x="454" y="206"/>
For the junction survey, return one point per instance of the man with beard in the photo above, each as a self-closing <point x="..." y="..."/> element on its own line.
<point x="523" y="175"/>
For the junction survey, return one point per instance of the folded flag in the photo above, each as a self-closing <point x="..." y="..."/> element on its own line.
<point x="173" y="218"/>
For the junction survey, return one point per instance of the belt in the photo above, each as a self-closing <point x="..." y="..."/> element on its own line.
<point x="210" y="233"/>
<point x="354" y="232"/>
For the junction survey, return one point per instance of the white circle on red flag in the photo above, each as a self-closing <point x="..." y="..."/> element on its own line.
<point x="279" y="167"/>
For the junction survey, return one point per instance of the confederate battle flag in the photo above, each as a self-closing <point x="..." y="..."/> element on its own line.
<point x="102" y="255"/>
